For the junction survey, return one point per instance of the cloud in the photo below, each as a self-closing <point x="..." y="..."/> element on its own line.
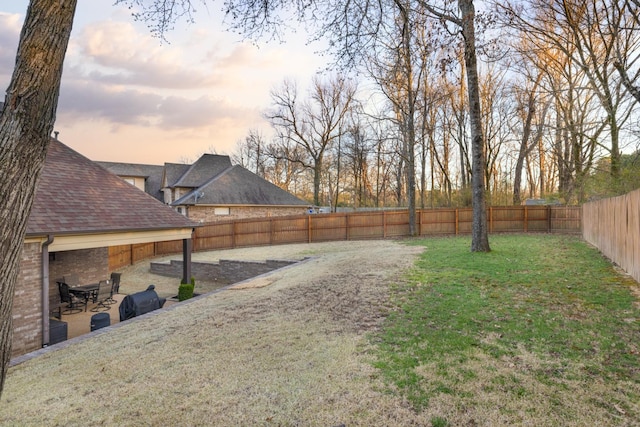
<point x="90" y="101"/>
<point x="116" y="53"/>
<point x="94" y="101"/>
<point x="182" y="112"/>
<point x="10" y="25"/>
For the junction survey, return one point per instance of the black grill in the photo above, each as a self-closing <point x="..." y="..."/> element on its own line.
<point x="140" y="303"/>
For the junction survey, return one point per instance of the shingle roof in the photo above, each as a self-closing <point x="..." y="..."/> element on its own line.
<point x="238" y="186"/>
<point x="173" y="172"/>
<point x="152" y="175"/>
<point x="202" y="170"/>
<point x="75" y="195"/>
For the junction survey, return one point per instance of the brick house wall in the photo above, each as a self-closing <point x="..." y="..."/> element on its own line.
<point x="90" y="265"/>
<point x="27" y="302"/>
<point x="207" y="213"/>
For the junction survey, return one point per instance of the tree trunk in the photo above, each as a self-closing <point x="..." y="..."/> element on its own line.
<point x="317" y="177"/>
<point x="337" y="192"/>
<point x="525" y="148"/>
<point x="479" y="232"/>
<point x="26" y="123"/>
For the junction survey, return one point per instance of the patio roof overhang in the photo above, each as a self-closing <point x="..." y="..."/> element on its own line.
<point x="69" y="242"/>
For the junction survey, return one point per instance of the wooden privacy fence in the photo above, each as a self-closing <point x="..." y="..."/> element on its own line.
<point x="613" y="226"/>
<point x="354" y="226"/>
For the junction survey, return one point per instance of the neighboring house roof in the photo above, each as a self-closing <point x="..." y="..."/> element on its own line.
<point x="207" y="166"/>
<point x="238" y="186"/>
<point x="77" y="196"/>
<point x="173" y="172"/>
<point x="152" y="175"/>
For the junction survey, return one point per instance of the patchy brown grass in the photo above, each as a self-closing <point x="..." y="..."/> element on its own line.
<point x="291" y="353"/>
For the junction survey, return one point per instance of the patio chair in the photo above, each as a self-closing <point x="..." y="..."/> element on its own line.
<point x="73" y="303"/>
<point x="115" y="286"/>
<point x="104" y="294"/>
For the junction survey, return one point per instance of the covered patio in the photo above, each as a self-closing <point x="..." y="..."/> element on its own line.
<point x="79" y="324"/>
<point x="80" y="210"/>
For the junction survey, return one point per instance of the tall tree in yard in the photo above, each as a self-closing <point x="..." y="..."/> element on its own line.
<point x="479" y="231"/>
<point x="467" y="27"/>
<point x="26" y="123"/>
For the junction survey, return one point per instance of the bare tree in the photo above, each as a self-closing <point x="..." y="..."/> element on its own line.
<point x="529" y="102"/>
<point x="285" y="167"/>
<point x="590" y="34"/>
<point x="357" y="153"/>
<point x="623" y="22"/>
<point x="250" y="152"/>
<point x="397" y="63"/>
<point x="314" y="123"/>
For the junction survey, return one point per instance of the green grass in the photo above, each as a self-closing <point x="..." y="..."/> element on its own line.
<point x="551" y="306"/>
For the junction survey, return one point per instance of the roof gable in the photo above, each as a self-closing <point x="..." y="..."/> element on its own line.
<point x="152" y="175"/>
<point x="239" y="186"/>
<point x="207" y="166"/>
<point x="75" y="195"/>
<point x="172" y="173"/>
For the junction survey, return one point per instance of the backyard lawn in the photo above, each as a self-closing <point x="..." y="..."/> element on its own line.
<point x="541" y="328"/>
<point x="541" y="331"/>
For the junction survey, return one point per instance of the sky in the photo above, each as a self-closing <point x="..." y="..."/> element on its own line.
<point x="128" y="97"/>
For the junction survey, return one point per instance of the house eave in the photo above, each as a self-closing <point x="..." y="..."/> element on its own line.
<point x="96" y="239"/>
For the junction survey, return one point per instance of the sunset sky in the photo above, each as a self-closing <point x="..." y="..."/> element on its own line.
<point x="127" y="97"/>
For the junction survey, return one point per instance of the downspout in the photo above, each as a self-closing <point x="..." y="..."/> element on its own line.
<point x="45" y="290"/>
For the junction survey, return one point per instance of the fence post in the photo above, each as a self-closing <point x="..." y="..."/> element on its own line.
<point x="490" y="219"/>
<point x="347" y="225"/>
<point x="384" y="224"/>
<point x="309" y="231"/>
<point x="457" y="225"/>
<point x="233" y="234"/>
<point x="526" y="219"/>
<point x="548" y="218"/>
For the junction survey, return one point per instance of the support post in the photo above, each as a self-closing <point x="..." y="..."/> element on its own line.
<point x="186" y="260"/>
<point x="45" y="290"/>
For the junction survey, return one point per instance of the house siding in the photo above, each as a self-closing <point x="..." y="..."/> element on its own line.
<point x="90" y="265"/>
<point x="134" y="180"/>
<point x="207" y="213"/>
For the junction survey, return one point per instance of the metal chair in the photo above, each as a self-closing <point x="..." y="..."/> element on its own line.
<point x="115" y="286"/>
<point x="104" y="294"/>
<point x="73" y="303"/>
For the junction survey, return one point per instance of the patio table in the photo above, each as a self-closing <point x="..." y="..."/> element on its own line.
<point x="86" y="292"/>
